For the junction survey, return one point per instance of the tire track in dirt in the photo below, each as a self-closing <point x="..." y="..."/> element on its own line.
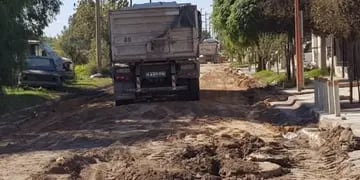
<point x="219" y="137"/>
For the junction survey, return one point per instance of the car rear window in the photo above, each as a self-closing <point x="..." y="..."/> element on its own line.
<point x="40" y="63"/>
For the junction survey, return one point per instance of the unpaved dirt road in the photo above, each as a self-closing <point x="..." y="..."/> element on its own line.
<point x="230" y="134"/>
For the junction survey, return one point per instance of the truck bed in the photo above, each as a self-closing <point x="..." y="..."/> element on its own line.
<point x="153" y="34"/>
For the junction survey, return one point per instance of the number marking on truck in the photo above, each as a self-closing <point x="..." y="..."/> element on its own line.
<point x="156" y="74"/>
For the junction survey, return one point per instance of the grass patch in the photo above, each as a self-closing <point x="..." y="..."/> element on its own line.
<point x="270" y="77"/>
<point x="87" y="83"/>
<point x="83" y="71"/>
<point x="18" y="98"/>
<point x="14" y="98"/>
<point x="237" y="64"/>
<point x="315" y="73"/>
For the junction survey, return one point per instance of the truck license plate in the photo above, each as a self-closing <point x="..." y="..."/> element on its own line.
<point x="160" y="74"/>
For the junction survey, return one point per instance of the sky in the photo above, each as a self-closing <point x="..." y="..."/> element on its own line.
<point x="67" y="9"/>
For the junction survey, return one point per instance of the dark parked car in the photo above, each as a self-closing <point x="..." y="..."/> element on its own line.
<point x="40" y="71"/>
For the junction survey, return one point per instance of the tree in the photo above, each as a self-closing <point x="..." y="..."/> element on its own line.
<point x="243" y="24"/>
<point x="327" y="18"/>
<point x="75" y="40"/>
<point x="78" y="39"/>
<point x="21" y="20"/>
<point x="268" y="46"/>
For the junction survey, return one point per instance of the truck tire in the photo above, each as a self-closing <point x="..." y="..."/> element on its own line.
<point x="123" y="102"/>
<point x="194" y="90"/>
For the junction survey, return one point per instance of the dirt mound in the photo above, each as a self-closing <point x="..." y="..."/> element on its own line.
<point x="220" y="156"/>
<point x="149" y="173"/>
<point x="238" y="168"/>
<point x="242" y="80"/>
<point x="246" y="82"/>
<point x="239" y="148"/>
<point x="328" y="151"/>
<point x="228" y="79"/>
<point x="225" y="158"/>
<point x="338" y="139"/>
<point x="71" y="165"/>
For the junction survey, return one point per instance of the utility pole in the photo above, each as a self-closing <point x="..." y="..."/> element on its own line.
<point x="298" y="47"/>
<point x="210" y="27"/>
<point x="98" y="35"/>
<point x="206" y="22"/>
<point x="150" y="1"/>
<point x="130" y="3"/>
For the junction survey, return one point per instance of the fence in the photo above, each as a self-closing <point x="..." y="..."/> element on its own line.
<point x="327" y="96"/>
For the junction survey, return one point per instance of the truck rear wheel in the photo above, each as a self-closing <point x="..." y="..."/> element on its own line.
<point x="194" y="90"/>
<point x="123" y="102"/>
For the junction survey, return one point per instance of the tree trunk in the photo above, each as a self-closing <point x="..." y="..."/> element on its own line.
<point x="315" y="48"/>
<point x="261" y="63"/>
<point x="322" y="54"/>
<point x="287" y="56"/>
<point x="349" y="55"/>
<point x="293" y="65"/>
<point x="292" y="57"/>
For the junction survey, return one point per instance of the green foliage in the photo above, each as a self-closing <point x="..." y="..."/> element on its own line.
<point x="105" y="51"/>
<point x="243" y="21"/>
<point x="88" y="84"/>
<point x="78" y="39"/>
<point x="20" y="21"/>
<point x="253" y="28"/>
<point x="84" y="71"/>
<point x="269" y="49"/>
<point x="242" y="25"/>
<point x="327" y="18"/>
<point x="270" y="77"/>
<point x="15" y="98"/>
<point x="75" y="40"/>
<point x="336" y="17"/>
<point x="238" y="64"/>
<point x="315" y="73"/>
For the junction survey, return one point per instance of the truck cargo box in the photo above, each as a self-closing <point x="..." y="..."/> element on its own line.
<point x="209" y="47"/>
<point x="155" y="32"/>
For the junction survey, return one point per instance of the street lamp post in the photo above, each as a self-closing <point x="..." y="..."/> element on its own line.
<point x="298" y="47"/>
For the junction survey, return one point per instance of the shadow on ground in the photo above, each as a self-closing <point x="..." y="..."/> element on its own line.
<point x="10" y="103"/>
<point x="92" y="120"/>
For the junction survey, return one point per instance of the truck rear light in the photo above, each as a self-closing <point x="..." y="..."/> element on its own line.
<point x="121" y="78"/>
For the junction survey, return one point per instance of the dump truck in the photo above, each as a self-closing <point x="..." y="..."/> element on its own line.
<point x="154" y="51"/>
<point x="209" y="51"/>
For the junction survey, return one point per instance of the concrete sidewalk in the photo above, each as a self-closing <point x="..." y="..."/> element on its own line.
<point x="350" y="118"/>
